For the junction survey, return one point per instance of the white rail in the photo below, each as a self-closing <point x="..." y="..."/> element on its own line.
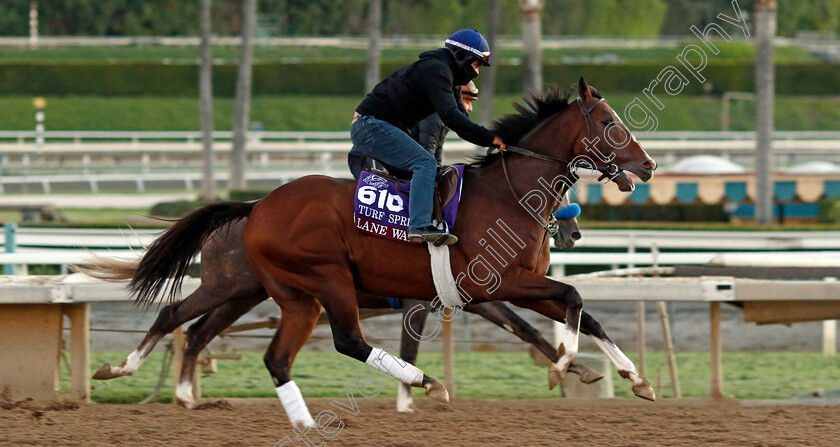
<point x="70" y="142"/>
<point x="711" y="240"/>
<point x="717" y="241"/>
<point x="757" y="259"/>
<point x="79" y="136"/>
<point x="81" y="288"/>
<point x="141" y="182"/>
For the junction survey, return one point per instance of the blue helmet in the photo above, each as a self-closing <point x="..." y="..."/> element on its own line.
<point x="471" y="42"/>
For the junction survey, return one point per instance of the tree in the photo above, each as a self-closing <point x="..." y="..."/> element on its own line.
<point x="205" y="83"/>
<point x="531" y="44"/>
<point x="488" y="84"/>
<point x="243" y="96"/>
<point x="372" y="75"/>
<point x="765" y="30"/>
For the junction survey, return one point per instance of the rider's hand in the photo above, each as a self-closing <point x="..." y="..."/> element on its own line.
<point x="497" y="141"/>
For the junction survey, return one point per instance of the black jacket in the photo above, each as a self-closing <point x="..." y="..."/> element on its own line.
<point x="430" y="133"/>
<point x="421" y="88"/>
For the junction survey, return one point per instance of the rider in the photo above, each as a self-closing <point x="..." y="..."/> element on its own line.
<point x="430" y="131"/>
<point x="430" y="84"/>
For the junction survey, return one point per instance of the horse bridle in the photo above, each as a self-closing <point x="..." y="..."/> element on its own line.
<point x="611" y="170"/>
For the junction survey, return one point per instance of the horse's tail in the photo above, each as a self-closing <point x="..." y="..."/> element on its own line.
<point x="169" y="256"/>
<point x="106" y="269"/>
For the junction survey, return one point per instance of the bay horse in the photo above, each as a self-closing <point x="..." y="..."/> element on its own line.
<point x="304" y="249"/>
<point x="229" y="290"/>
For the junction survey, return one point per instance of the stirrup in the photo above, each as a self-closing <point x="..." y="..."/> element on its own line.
<point x="431" y="234"/>
<point x="445" y="239"/>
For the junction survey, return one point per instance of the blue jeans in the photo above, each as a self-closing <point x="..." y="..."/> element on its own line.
<point x="385" y="142"/>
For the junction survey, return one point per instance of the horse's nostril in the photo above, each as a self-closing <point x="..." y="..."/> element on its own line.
<point x="576" y="235"/>
<point x="648" y="165"/>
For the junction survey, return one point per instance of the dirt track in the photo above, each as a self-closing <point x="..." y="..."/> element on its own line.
<point x="484" y="423"/>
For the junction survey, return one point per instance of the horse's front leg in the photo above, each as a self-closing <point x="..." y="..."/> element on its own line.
<point x="414" y="319"/>
<point x="528" y="287"/>
<point x="591" y="327"/>
<point x="626" y="368"/>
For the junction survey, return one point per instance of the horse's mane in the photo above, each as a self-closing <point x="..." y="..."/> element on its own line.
<point x="514" y="126"/>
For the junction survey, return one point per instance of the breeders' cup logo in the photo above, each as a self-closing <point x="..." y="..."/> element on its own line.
<point x="376" y="181"/>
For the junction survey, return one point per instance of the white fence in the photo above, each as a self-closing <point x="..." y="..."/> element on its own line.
<point x="624" y="239"/>
<point x="789" y="145"/>
<point x="134" y="160"/>
<point x="735" y="248"/>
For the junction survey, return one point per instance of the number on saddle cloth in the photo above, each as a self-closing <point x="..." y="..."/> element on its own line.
<point x="381" y="202"/>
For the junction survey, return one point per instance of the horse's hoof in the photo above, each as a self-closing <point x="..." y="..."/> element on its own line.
<point x="435" y="390"/>
<point x="645" y="391"/>
<point x="188" y="404"/>
<point x="104" y="372"/>
<point x="555" y="376"/>
<point x="590" y="376"/>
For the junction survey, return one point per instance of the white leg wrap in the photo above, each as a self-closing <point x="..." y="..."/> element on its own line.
<point x="132" y="364"/>
<point x="404" y="400"/>
<point x="570" y="345"/>
<point x="397" y="368"/>
<point x="184" y="393"/>
<point x="293" y="403"/>
<point x="621" y="362"/>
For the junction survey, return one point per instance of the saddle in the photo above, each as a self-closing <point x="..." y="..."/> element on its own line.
<point x="446" y="187"/>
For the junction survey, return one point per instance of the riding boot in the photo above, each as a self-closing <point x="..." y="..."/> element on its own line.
<point x="431" y="234"/>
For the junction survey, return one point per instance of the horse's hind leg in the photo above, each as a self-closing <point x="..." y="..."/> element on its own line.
<point x="503" y="316"/>
<point x="530" y="288"/>
<point x="169" y="318"/>
<point x="299" y="315"/>
<point x="202" y="332"/>
<point x="414" y="319"/>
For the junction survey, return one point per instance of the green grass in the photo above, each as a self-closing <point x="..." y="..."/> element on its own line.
<point x="733" y="51"/>
<point x="92" y="218"/>
<point x="333" y="113"/>
<point x="747" y="375"/>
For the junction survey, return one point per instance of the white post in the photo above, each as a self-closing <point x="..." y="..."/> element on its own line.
<point x="33" y="25"/>
<point x="558" y="271"/>
<point x="829" y="338"/>
<point x="39" y="130"/>
<point x="641" y="340"/>
<point x="830" y="333"/>
<point x="40" y="104"/>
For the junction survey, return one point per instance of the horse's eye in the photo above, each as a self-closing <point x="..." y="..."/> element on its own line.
<point x="607" y="122"/>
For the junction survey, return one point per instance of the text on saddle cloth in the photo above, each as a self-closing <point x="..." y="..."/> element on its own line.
<point x="381" y="205"/>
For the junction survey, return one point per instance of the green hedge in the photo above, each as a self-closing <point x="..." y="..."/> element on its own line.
<point x="176" y="209"/>
<point x="246" y="195"/>
<point x="338" y="78"/>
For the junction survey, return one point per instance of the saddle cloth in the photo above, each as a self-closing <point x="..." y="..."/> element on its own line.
<point x="381" y="203"/>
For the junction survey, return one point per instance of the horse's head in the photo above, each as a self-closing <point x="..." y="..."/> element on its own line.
<point x="568" y="230"/>
<point x="607" y="141"/>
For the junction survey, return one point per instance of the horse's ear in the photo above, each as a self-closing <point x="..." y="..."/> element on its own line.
<point x="583" y="90"/>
